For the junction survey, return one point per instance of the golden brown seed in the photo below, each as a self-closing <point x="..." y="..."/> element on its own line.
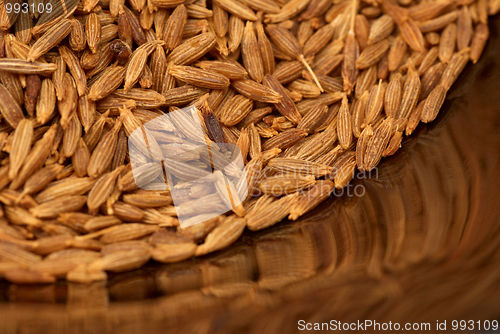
<point x="375" y="102"/>
<point x="431" y="79"/>
<point x="21" y="144"/>
<point x="251" y="55"/>
<point x="93" y="32"/>
<point x="134" y="68"/>
<point x="393" y="95"/>
<point x="481" y="34"/>
<point x="52" y="209"/>
<point x="438" y="23"/>
<point x="414" y="118"/>
<point x="380" y="29"/>
<point x="377" y="144"/>
<point x="9" y="108"/>
<point x="76" y="70"/>
<point x="50" y="39"/>
<point x="454" y="68"/>
<point x="464" y="28"/>
<point x="372" y="54"/>
<point x="192" y="49"/>
<point x="447" y="42"/>
<point x="102" y="155"/>
<point x="411" y="92"/>
<point x="172" y="34"/>
<point x="396" y="54"/>
<point x="256" y="91"/>
<point x="199" y="77"/>
<point x="229" y="70"/>
<point x="349" y="71"/>
<point x="238" y="9"/>
<point x="101" y="190"/>
<point x="344" y="125"/>
<point x="110" y="80"/>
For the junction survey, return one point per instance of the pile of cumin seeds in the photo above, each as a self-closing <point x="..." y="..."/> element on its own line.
<point x="309" y="90"/>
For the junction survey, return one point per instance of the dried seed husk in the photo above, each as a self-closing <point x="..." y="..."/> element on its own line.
<point x="423" y="12"/>
<point x="362" y="31"/>
<point x="199" y="77"/>
<point x="134" y="68"/>
<point x="345" y="171"/>
<point x="36" y="158"/>
<point x="101" y="190"/>
<point x="361" y="146"/>
<point x="285" y="139"/>
<point x="396" y="54"/>
<point x="50" y="39"/>
<point x="318" y="40"/>
<point x="93" y="32"/>
<point x="433" y="104"/>
<point x="375" y="102"/>
<point x="288" y="71"/>
<point x="81" y="158"/>
<point x="464" y="28"/>
<point x="289" y="10"/>
<point x="315" y="195"/>
<point x="393" y="95"/>
<point x="236" y="28"/>
<point x="454" y="68"/>
<point x="272" y="213"/>
<point x="344" y="125"/>
<point x="479" y="38"/>
<point x="372" y="54"/>
<point x="72" y="134"/>
<point x="102" y="155"/>
<point x="377" y="144"/>
<point x="77" y="39"/>
<point x="41" y="179"/>
<point x="255" y="142"/>
<point x="411" y="92"/>
<point x="192" y="49"/>
<point x="238" y="9"/>
<point x="239" y="108"/>
<point x="358" y="114"/>
<point x="429" y="60"/>
<point x="52" y="209"/>
<point x="21" y="144"/>
<point x="45" y="100"/>
<point x="380" y="29"/>
<point x="365" y="81"/>
<point x="431" y="79"/>
<point x="438" y="23"/>
<point x="229" y="70"/>
<point x="432" y="38"/>
<point x="33" y="85"/>
<point x="313" y="118"/>
<point x="447" y="42"/>
<point x="13" y="84"/>
<point x="250" y="53"/>
<point x="256" y="91"/>
<point x="414" y="118"/>
<point x="349" y="70"/>
<point x="65" y="187"/>
<point x="172" y="33"/>
<point x="9" y="108"/>
<point x="107" y="83"/>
